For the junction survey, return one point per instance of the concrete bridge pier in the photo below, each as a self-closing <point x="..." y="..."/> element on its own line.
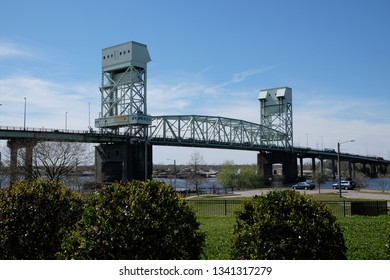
<point x="353" y="169"/>
<point x="14" y="146"/>
<point x="301" y="166"/>
<point x="383" y="168"/>
<point x="374" y="170"/>
<point x="322" y="165"/>
<point x="334" y="169"/>
<point x="313" y="165"/>
<point x="116" y="162"/>
<point x="350" y="169"/>
<point x="265" y="160"/>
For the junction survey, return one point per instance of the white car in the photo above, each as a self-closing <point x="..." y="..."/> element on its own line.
<point x="346" y="185"/>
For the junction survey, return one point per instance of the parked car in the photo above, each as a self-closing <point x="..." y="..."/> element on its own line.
<point x="303" y="186"/>
<point x="346" y="185"/>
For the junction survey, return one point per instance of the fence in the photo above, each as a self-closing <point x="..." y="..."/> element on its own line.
<point x="226" y="208"/>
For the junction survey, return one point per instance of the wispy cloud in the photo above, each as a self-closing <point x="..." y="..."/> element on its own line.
<point x="322" y="122"/>
<point x="238" y="78"/>
<point x="195" y="94"/>
<point x="47" y="102"/>
<point x="8" y="49"/>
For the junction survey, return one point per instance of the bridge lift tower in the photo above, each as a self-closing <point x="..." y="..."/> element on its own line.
<point x="124" y="109"/>
<point x="123" y="89"/>
<point x="276" y="113"/>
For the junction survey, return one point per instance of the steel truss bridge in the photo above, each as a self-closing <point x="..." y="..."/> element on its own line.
<point x="191" y="131"/>
<point x="187" y="130"/>
<point x="214" y="132"/>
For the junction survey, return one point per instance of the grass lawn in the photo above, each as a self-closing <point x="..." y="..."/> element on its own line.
<point x="218" y="232"/>
<point x="364" y="236"/>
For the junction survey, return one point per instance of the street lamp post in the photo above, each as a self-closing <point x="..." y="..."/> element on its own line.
<point x="25" y="107"/>
<point x="338" y="160"/>
<point x="66" y="121"/>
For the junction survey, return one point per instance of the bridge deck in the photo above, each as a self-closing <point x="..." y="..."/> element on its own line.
<point x="90" y="136"/>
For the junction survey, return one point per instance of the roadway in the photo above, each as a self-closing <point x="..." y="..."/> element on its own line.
<point x="369" y="194"/>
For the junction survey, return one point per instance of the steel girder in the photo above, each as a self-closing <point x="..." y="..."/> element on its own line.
<point x="195" y="130"/>
<point x="123" y="101"/>
<point x="124" y="94"/>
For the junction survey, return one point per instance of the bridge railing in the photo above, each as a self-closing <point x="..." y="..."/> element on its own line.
<point x="43" y="129"/>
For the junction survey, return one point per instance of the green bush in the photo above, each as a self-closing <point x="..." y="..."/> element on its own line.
<point x="135" y="221"/>
<point x="286" y="225"/>
<point x="34" y="217"/>
<point x="387" y="240"/>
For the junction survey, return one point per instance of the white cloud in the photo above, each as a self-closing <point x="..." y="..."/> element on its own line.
<point x="237" y="78"/>
<point x="8" y="49"/>
<point x="46" y="103"/>
<point x="321" y="123"/>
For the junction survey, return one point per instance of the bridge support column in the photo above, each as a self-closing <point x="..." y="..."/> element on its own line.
<point x="353" y="169"/>
<point x="301" y="166"/>
<point x="123" y="162"/>
<point x="13" y="161"/>
<point x="264" y="167"/>
<point x="350" y="169"/>
<point x="374" y="170"/>
<point x="364" y="169"/>
<point x="313" y="166"/>
<point x="14" y="146"/>
<point x="288" y="161"/>
<point x="383" y="168"/>
<point x="322" y="165"/>
<point x="334" y="169"/>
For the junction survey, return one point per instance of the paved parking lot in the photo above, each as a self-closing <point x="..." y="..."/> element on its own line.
<point x="369" y="194"/>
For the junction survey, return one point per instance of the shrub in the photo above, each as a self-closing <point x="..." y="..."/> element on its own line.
<point x="135" y="221"/>
<point x="286" y="225"/>
<point x="387" y="240"/>
<point x="34" y="217"/>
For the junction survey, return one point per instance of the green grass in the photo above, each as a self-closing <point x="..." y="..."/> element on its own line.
<point x="218" y="232"/>
<point x="364" y="236"/>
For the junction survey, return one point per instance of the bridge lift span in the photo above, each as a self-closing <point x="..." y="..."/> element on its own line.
<point x="124" y="107"/>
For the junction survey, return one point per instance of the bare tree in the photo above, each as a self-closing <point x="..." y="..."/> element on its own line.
<point x="360" y="179"/>
<point x="56" y="160"/>
<point x="195" y="178"/>
<point x="383" y="181"/>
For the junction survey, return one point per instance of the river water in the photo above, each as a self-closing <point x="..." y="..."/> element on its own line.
<point x="211" y="185"/>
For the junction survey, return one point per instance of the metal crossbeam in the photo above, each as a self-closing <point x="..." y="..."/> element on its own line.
<point x="214" y="131"/>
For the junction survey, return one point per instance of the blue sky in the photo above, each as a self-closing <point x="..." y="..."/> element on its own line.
<point x="208" y="58"/>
